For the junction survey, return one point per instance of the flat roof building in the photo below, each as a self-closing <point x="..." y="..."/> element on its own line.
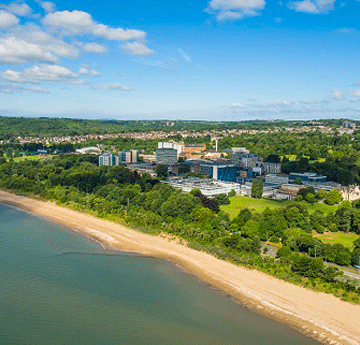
<point x="166" y="156"/>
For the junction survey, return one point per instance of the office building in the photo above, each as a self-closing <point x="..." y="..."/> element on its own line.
<point x="166" y="156"/>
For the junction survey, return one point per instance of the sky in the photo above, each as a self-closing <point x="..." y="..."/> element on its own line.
<point x="227" y="60"/>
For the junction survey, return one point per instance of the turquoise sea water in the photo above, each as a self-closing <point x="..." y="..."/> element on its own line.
<point x="59" y="287"/>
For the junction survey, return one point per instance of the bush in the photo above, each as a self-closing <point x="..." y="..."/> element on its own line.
<point x="283" y="251"/>
<point x="310" y="197"/>
<point x="274" y="239"/>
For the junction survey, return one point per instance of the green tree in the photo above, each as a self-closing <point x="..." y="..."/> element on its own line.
<point x="162" y="171"/>
<point x="333" y="197"/>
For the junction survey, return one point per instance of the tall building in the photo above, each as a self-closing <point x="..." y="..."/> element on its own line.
<point x="107" y="159"/>
<point x="128" y="156"/>
<point x="166" y="156"/>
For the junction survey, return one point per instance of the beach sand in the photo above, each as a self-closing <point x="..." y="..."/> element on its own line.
<point x="320" y="315"/>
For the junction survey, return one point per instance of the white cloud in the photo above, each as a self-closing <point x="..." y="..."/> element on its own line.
<point x="337" y="95"/>
<point x="185" y="56"/>
<point x="357" y="93"/>
<point x="7" y="19"/>
<point x="235" y="9"/>
<point x="312" y="6"/>
<point x="13" y="89"/>
<point x="86" y="71"/>
<point x="36" y="74"/>
<point x="136" y="48"/>
<point x="22" y="10"/>
<point x="238" y="105"/>
<point x="79" y="22"/>
<point x="48" y="6"/>
<point x="94" y="48"/>
<point x="14" y="51"/>
<point x="112" y="86"/>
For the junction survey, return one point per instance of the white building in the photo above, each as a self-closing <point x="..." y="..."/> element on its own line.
<point x="108" y="159"/>
<point x="179" y="147"/>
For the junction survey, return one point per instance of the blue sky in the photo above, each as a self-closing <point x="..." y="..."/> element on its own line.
<point x="157" y="59"/>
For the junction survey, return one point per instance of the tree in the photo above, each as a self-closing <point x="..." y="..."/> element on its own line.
<point x="162" y="171"/>
<point x="257" y="188"/>
<point x="333" y="197"/>
<point x="310" y="198"/>
<point x="232" y="193"/>
<point x="283" y="251"/>
<point x="355" y="257"/>
<point x="298" y="180"/>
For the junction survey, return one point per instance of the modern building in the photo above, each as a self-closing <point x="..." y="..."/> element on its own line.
<point x="275" y="179"/>
<point x="224" y="173"/>
<point x="247" y="160"/>
<point x="89" y="151"/>
<point x="128" y="156"/>
<point x="108" y="159"/>
<point x="179" y="147"/>
<point x="166" y="156"/>
<point x="308" y="177"/>
<point x="208" y="187"/>
<point x="272" y="168"/>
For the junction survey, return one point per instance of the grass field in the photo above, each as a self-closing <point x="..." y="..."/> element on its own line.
<point x="259" y="205"/>
<point x="345" y="238"/>
<point x="30" y="158"/>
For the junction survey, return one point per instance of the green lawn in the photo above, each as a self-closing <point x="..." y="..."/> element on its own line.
<point x="259" y="205"/>
<point x="345" y="238"/>
<point x="30" y="158"/>
<point x="239" y="202"/>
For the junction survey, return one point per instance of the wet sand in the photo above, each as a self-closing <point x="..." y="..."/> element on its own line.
<point x="320" y="315"/>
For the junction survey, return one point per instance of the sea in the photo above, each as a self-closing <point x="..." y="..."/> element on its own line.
<point x="60" y="287"/>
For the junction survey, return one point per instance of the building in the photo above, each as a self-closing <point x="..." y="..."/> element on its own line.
<point x="128" y="156"/>
<point x="179" y="147"/>
<point x="308" y="177"/>
<point x="194" y="151"/>
<point x="224" y="173"/>
<point x="242" y="150"/>
<point x="247" y="160"/>
<point x="108" y="159"/>
<point x="166" y="156"/>
<point x="272" y="168"/>
<point x="208" y="187"/>
<point x="275" y="179"/>
<point x="88" y="151"/>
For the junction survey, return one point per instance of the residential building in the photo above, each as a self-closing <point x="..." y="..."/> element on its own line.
<point x="166" y="156"/>
<point x="108" y="159"/>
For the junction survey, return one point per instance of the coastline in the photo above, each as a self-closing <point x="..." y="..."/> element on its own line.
<point x="319" y="315"/>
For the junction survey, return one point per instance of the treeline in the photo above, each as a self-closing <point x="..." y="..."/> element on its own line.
<point x="14" y="127"/>
<point x="119" y="194"/>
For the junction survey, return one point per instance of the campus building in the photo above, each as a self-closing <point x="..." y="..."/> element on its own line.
<point x="166" y="156"/>
<point x="108" y="159"/>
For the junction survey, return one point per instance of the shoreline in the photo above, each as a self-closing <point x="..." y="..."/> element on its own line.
<point x="319" y="315"/>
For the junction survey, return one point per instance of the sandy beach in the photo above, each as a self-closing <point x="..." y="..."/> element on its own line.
<point x="320" y="315"/>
